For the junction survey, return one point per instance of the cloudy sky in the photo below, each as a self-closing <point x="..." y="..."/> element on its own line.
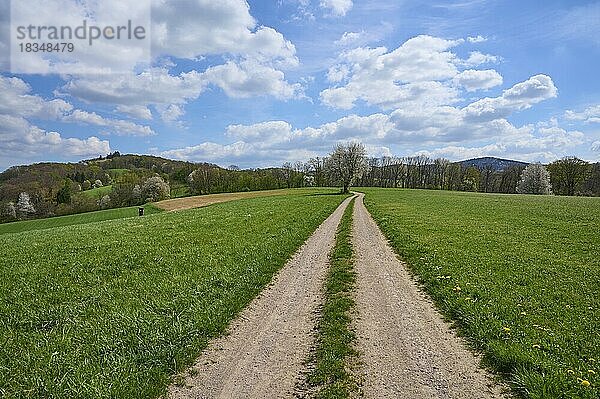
<point x="259" y="83"/>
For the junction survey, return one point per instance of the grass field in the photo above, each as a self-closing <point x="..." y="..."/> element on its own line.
<point x="197" y="201"/>
<point x="335" y="352"/>
<point x="519" y="274"/>
<point x="80" y="218"/>
<point x="112" y="309"/>
<point x="116" y="173"/>
<point x="98" y="192"/>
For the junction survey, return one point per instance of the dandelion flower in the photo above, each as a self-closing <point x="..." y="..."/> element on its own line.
<point x="585" y="383"/>
<point x="506" y="330"/>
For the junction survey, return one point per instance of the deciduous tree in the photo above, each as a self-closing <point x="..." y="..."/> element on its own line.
<point x="535" y="179"/>
<point x="24" y="205"/>
<point x="567" y="175"/>
<point x="156" y="189"/>
<point x="346" y="164"/>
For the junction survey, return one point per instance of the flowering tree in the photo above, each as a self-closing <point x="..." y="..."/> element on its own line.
<point x="156" y="189"/>
<point x="136" y="194"/>
<point x="535" y="179"/>
<point x="346" y="164"/>
<point x="24" y="205"/>
<point x="104" y="201"/>
<point x="10" y="211"/>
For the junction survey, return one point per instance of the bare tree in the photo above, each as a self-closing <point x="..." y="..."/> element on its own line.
<point x="315" y="169"/>
<point x="346" y="164"/>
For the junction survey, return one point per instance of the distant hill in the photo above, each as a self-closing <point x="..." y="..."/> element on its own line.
<point x="497" y="164"/>
<point x="43" y="180"/>
<point x="116" y="180"/>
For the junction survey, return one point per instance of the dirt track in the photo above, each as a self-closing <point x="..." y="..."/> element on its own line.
<point x="263" y="355"/>
<point x="407" y="350"/>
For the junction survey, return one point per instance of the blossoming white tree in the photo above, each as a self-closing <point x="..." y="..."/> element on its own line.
<point x="156" y="189"/>
<point x="24" y="205"/>
<point x="10" y="211"/>
<point x="346" y="164"/>
<point x="535" y="179"/>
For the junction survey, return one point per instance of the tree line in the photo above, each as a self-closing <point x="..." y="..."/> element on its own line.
<point x="45" y="190"/>
<point x="567" y="176"/>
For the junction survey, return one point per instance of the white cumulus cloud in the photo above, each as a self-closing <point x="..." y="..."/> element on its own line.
<point x="589" y="115"/>
<point x="473" y="80"/>
<point x="519" y="97"/>
<point x="337" y="7"/>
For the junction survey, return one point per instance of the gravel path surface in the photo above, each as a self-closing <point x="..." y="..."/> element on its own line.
<point x="407" y="350"/>
<point x="263" y="355"/>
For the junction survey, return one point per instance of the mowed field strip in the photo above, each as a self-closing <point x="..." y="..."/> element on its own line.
<point x="113" y="309"/>
<point x="198" y="201"/>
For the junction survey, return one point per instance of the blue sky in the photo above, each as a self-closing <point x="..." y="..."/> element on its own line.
<point x="261" y="83"/>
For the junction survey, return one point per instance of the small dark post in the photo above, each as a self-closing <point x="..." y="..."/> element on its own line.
<point x="141" y="211"/>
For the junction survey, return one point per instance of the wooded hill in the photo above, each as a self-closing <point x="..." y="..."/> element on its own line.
<point x="108" y="182"/>
<point x="49" y="189"/>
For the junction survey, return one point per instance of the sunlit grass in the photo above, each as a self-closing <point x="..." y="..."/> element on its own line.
<point x="80" y="218"/>
<point x="519" y="274"/>
<point x="112" y="309"/>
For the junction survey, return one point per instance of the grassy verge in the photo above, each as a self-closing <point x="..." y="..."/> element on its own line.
<point x="113" y="309"/>
<point x="335" y="339"/>
<point x="519" y="275"/>
<point x="80" y="218"/>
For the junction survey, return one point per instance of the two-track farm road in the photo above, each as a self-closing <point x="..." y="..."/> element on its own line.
<point x="264" y="353"/>
<point x="406" y="349"/>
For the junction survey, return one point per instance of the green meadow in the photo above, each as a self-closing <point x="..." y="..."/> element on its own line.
<point x="519" y="275"/>
<point x="112" y="309"/>
<point x="80" y="218"/>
